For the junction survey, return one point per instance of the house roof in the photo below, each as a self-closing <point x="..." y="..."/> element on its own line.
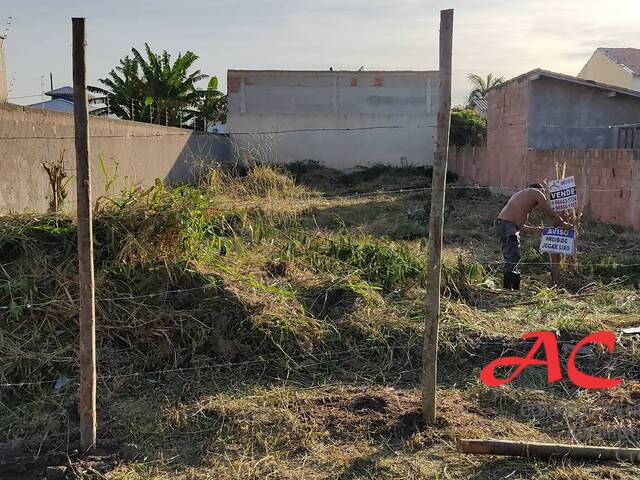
<point x="628" y="58"/>
<point x="61" y="92"/>
<point x="57" y="105"/>
<point x="538" y="72"/>
<point x="64" y="92"/>
<point x="481" y="103"/>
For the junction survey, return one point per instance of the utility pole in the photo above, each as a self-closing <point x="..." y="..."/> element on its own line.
<point x="436" y="221"/>
<point x="85" y="243"/>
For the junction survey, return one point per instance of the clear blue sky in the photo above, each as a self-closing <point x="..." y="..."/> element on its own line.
<point x="498" y="36"/>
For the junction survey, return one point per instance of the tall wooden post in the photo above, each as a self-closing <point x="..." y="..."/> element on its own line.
<point x="436" y="220"/>
<point x="85" y="243"/>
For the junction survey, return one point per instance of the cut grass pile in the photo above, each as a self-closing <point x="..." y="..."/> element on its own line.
<point x="269" y="325"/>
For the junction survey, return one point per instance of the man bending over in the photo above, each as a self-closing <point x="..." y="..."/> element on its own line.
<point x="512" y="220"/>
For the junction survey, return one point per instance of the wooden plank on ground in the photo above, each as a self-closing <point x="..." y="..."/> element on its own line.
<point x="546" y="450"/>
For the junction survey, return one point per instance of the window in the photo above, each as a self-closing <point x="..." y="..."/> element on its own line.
<point x="629" y="137"/>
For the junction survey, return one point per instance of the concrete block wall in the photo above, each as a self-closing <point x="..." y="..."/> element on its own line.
<point x="142" y="152"/>
<point x="507" y="133"/>
<point x="334" y="111"/>
<point x="565" y="115"/>
<point x="3" y="73"/>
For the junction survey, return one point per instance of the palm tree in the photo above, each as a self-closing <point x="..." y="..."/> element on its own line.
<point x="153" y="89"/>
<point x="212" y="106"/>
<point x="481" y="86"/>
<point x="170" y="90"/>
<point x="124" y="92"/>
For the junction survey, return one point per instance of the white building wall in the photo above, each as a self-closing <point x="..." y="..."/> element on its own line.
<point x="355" y="104"/>
<point x="3" y="73"/>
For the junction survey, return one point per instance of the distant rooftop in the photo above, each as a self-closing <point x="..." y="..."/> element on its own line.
<point x="62" y="101"/>
<point x="57" y="105"/>
<point x="625" y="57"/>
<point x="64" y="92"/>
<point x="538" y="72"/>
<point x="61" y="92"/>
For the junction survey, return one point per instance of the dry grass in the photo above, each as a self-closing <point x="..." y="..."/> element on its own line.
<point x="287" y="342"/>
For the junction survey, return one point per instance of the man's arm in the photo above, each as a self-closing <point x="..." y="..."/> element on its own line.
<point x="557" y="220"/>
<point x="531" y="230"/>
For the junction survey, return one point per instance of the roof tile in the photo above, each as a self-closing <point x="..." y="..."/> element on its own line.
<point x="627" y="57"/>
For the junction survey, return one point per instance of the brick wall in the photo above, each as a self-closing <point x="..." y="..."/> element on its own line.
<point x="470" y="164"/>
<point x="507" y="133"/>
<point x="608" y="181"/>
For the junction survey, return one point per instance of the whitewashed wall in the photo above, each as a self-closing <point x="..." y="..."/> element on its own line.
<point x="266" y="101"/>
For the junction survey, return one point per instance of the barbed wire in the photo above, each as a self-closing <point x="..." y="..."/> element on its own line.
<point x="191" y="132"/>
<point x="112" y="299"/>
<point x="373" y="193"/>
<point x="486" y="261"/>
<point x="509" y="342"/>
<point x="175" y="114"/>
<point x="300" y="358"/>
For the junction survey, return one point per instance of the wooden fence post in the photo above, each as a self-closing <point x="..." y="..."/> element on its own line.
<point x="85" y="243"/>
<point x="436" y="220"/>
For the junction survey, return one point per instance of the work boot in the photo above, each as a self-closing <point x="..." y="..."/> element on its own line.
<point x="507" y="282"/>
<point x="516" y="281"/>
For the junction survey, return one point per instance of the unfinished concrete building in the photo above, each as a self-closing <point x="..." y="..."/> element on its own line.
<point x="342" y="119"/>
<point x="3" y="73"/>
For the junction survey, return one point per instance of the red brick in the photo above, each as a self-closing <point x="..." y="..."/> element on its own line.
<point x="233" y="84"/>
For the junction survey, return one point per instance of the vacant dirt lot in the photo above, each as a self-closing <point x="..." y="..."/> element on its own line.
<point x="258" y="327"/>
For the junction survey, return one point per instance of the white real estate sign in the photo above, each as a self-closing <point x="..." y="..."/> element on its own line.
<point x="562" y="194"/>
<point x="557" y="240"/>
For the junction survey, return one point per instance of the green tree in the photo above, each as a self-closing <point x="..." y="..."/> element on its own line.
<point x="124" y="92"/>
<point x="212" y="105"/>
<point x="468" y="128"/>
<point x="480" y="86"/>
<point x="152" y="88"/>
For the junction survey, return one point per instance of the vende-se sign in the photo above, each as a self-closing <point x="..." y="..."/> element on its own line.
<point x="563" y="194"/>
<point x="557" y="240"/>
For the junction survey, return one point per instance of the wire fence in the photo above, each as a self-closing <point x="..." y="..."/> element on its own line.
<point x="170" y="117"/>
<point x="190" y="132"/>
<point x="305" y="361"/>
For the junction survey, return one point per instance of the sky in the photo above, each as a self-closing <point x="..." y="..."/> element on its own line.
<point x="491" y="36"/>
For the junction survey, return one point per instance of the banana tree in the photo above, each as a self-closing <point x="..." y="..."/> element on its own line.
<point x="170" y="85"/>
